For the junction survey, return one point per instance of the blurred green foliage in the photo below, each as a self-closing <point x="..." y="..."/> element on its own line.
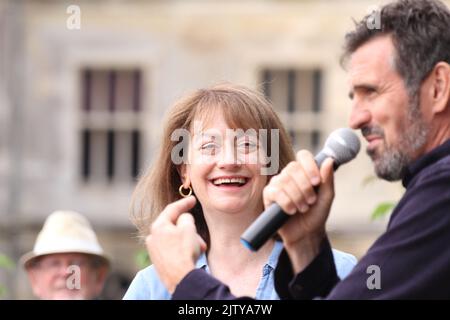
<point x="5" y="263"/>
<point x="142" y="259"/>
<point x="382" y="210"/>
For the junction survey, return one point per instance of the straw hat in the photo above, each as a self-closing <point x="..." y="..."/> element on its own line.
<point x="63" y="232"/>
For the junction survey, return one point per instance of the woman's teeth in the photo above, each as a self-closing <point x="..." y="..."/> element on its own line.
<point x="220" y="181"/>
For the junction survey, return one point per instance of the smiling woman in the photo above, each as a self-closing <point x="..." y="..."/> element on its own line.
<point x="205" y="115"/>
<point x="223" y="167"/>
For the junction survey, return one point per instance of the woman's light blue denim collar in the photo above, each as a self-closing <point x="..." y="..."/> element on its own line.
<point x="202" y="261"/>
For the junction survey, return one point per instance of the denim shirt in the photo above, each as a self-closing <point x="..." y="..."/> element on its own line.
<point x="147" y="285"/>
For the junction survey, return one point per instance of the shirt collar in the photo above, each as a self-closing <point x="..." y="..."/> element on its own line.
<point x="202" y="262"/>
<point x="276" y="251"/>
<point x="424" y="161"/>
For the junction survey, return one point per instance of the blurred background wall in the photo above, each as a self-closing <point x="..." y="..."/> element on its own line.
<point x="81" y="108"/>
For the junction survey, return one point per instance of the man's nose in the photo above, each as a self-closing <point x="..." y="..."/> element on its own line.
<point x="359" y="117"/>
<point x="65" y="268"/>
<point x="61" y="269"/>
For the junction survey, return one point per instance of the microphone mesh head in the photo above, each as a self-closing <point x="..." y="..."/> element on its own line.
<point x="342" y="145"/>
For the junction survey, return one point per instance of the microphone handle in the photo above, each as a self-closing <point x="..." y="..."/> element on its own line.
<point x="267" y="224"/>
<point x="264" y="227"/>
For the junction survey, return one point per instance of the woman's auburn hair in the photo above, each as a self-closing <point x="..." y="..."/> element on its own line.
<point x="241" y="108"/>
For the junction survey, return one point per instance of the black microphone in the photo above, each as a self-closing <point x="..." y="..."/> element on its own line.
<point x="342" y="145"/>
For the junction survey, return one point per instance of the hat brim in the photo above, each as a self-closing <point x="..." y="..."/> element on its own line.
<point x="26" y="259"/>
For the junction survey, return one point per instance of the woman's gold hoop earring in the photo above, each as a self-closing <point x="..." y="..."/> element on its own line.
<point x="180" y="190"/>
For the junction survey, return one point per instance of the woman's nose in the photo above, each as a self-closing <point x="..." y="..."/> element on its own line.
<point x="228" y="156"/>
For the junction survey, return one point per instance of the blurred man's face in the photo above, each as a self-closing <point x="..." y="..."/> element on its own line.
<point x="390" y="121"/>
<point x="66" y="276"/>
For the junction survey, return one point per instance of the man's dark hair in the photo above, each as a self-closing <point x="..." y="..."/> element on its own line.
<point x="420" y="31"/>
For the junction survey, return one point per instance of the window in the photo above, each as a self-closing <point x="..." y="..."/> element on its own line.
<point x="297" y="98"/>
<point x="110" y="134"/>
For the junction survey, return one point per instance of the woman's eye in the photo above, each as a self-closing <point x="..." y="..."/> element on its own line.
<point x="208" y="146"/>
<point x="248" y="145"/>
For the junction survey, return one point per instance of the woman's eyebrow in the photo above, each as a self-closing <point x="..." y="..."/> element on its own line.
<point x="205" y="136"/>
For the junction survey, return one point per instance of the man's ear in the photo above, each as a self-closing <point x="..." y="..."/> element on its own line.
<point x="440" y="87"/>
<point x="34" y="282"/>
<point x="101" y="273"/>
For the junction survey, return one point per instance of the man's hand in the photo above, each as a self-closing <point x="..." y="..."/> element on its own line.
<point x="173" y="244"/>
<point x="293" y="190"/>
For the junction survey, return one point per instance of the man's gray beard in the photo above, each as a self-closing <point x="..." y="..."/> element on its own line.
<point x="393" y="162"/>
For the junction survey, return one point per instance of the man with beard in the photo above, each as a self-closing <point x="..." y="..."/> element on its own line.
<point x="399" y="78"/>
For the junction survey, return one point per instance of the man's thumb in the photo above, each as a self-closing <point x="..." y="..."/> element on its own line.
<point x="327" y="175"/>
<point x="202" y="242"/>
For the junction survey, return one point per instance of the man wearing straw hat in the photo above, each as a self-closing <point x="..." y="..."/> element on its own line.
<point x="67" y="261"/>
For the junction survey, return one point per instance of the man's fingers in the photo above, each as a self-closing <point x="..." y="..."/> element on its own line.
<point x="186" y="223"/>
<point x="327" y="175"/>
<point x="305" y="195"/>
<point x="186" y="220"/>
<point x="273" y="194"/>
<point x="202" y="242"/>
<point x="174" y="209"/>
<point x="326" y="171"/>
<point x="309" y="166"/>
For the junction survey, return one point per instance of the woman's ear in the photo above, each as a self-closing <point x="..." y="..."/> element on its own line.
<point x="183" y="171"/>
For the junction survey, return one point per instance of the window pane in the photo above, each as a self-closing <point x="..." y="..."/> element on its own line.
<point x="124" y="90"/>
<point x="304" y="91"/>
<point x="98" y="159"/>
<point x="86" y="86"/>
<point x="137" y="90"/>
<point x="85" y="154"/>
<point x="292" y="87"/>
<point x="123" y="156"/>
<point x="100" y="90"/>
<point x="111" y="137"/>
<point x="110" y="148"/>
<point x="317" y="96"/>
<point x="297" y="92"/>
<point x="135" y="153"/>
<point x="294" y="90"/>
<point x="309" y="140"/>
<point x="112" y="78"/>
<point x="279" y="90"/>
<point x="267" y="78"/>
